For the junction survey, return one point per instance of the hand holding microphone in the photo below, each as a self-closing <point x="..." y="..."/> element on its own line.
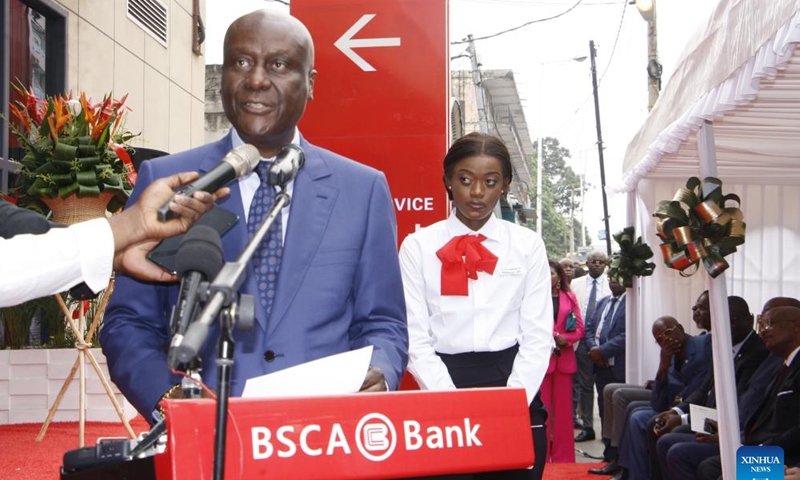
<point x="238" y="162"/>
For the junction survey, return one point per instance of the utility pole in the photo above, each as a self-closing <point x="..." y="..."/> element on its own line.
<point x="476" y="79"/>
<point x="653" y="66"/>
<point x="647" y="8"/>
<point x="583" y="208"/>
<point x="592" y="54"/>
<point x="572" y="220"/>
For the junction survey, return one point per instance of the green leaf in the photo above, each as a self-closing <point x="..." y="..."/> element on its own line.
<point x="64" y="152"/>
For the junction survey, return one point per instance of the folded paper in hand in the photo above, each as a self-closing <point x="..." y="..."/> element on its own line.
<point x="699" y="414"/>
<point x="334" y="375"/>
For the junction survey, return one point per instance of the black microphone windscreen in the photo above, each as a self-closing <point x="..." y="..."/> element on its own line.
<point x="200" y="251"/>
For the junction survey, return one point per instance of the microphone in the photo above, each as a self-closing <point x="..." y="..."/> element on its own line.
<point x="198" y="259"/>
<point x="238" y="162"/>
<point x="281" y="171"/>
<point x="287" y="162"/>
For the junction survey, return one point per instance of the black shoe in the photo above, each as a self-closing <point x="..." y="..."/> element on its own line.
<point x="622" y="474"/>
<point x="585" y="435"/>
<point x="609" y="468"/>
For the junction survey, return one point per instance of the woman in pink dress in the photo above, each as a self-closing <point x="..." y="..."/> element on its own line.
<point x="557" y="385"/>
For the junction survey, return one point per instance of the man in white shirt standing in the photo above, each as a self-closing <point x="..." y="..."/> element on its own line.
<point x="589" y="290"/>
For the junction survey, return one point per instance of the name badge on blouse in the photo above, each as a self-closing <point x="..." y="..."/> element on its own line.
<point x="509" y="271"/>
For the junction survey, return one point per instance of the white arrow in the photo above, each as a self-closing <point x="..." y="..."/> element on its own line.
<point x="347" y="43"/>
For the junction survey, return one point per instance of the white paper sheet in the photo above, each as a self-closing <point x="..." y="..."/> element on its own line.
<point x="699" y="414"/>
<point x="333" y="375"/>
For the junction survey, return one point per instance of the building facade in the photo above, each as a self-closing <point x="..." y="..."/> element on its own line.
<point x="150" y="50"/>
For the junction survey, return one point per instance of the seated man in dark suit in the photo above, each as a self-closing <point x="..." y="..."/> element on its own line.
<point x="682" y="355"/>
<point x="776" y="417"/>
<point x="689" y="361"/>
<point x="749" y="355"/>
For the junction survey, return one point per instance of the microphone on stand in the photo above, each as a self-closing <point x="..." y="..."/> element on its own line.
<point x="289" y="160"/>
<point x="199" y="258"/>
<point x="237" y="163"/>
<point x="282" y="170"/>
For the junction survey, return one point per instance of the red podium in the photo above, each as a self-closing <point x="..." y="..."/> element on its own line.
<point x="383" y="435"/>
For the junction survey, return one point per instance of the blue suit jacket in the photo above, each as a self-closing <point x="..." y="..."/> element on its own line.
<point x="339" y="286"/>
<point x="693" y="371"/>
<point x="614" y="345"/>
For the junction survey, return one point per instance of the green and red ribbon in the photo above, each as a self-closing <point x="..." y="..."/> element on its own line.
<point x="631" y="259"/>
<point x="698" y="228"/>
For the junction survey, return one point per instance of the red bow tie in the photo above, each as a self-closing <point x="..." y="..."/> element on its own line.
<point x="462" y="257"/>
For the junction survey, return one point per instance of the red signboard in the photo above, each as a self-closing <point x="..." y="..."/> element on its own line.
<point x="382" y="94"/>
<point x="384" y="435"/>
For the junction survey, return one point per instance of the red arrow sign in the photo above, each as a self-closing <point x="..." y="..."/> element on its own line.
<point x="386" y="107"/>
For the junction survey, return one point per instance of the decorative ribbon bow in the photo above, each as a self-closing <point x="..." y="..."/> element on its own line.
<point x="631" y="259"/>
<point x="462" y="257"/>
<point x="707" y="231"/>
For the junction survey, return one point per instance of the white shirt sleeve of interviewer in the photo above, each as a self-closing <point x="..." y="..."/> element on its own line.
<point x="35" y="266"/>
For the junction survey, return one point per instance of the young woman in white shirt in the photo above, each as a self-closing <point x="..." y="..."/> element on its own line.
<point x="477" y="290"/>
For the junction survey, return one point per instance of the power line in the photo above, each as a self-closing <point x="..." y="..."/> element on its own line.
<point x="600" y="81"/>
<point x="521" y="26"/>
<point x="614" y="48"/>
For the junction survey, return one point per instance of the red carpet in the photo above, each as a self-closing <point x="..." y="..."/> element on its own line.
<point x="23" y="458"/>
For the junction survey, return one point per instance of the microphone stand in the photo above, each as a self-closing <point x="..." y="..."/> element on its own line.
<point x="223" y="304"/>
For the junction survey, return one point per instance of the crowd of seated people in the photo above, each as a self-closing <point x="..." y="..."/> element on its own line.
<point x="651" y="425"/>
<point x="646" y="430"/>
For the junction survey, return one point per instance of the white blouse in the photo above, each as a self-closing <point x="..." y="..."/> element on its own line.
<point x="511" y="306"/>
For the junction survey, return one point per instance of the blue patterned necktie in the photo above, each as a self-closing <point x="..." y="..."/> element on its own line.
<point x="607" y="321"/>
<point x="267" y="258"/>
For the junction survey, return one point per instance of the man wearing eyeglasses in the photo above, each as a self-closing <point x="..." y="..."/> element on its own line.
<point x="685" y="362"/>
<point x="589" y="290"/>
<point x="680" y="353"/>
<point x="680" y="451"/>
<point x="773" y="418"/>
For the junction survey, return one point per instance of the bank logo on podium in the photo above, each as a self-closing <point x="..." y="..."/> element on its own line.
<point x="376" y="437"/>
<point x="759" y="463"/>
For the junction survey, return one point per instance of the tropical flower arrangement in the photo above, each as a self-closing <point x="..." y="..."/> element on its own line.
<point x="72" y="147"/>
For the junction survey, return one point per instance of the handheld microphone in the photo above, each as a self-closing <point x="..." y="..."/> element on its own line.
<point x="287" y="162"/>
<point x="238" y="162"/>
<point x="198" y="259"/>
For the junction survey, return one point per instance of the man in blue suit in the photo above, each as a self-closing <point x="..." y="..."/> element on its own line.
<point x="605" y="340"/>
<point x="338" y="284"/>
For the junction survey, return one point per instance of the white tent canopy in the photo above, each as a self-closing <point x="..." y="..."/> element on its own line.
<point x="730" y="110"/>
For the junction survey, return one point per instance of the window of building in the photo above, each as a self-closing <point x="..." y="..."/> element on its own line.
<point x="34" y="53"/>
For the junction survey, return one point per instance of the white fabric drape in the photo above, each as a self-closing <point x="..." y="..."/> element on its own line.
<point x="742" y="74"/>
<point x="758" y="111"/>
<point x="762" y="268"/>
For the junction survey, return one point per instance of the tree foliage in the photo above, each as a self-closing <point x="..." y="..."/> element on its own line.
<point x="562" y="198"/>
